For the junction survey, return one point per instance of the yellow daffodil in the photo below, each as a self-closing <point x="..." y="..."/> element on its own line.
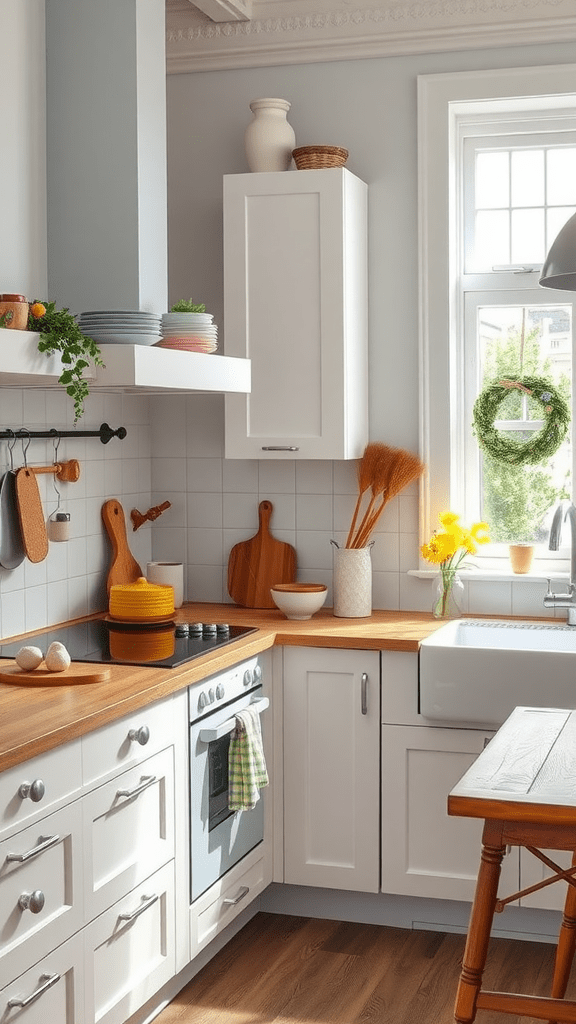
<point x="449" y="547"/>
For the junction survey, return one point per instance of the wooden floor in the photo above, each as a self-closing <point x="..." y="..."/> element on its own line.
<point x="295" y="970"/>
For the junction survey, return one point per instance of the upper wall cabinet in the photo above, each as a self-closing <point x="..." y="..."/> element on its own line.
<point x="295" y="303"/>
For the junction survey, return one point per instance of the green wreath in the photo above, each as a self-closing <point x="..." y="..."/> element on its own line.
<point x="540" y="445"/>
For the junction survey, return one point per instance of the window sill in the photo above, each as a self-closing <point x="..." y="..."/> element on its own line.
<point x="540" y="572"/>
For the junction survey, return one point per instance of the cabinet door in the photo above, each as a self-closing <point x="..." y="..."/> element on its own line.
<point x="425" y="852"/>
<point x="126" y="741"/>
<point x="34" y="788"/>
<point x="51" y="992"/>
<point x="331" y="768"/>
<point x="129" y="830"/>
<point x="40" y="889"/>
<point x="129" y="950"/>
<point x="295" y="303"/>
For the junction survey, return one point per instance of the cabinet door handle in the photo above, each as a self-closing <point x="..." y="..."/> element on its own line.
<point x="280" y="448"/>
<point x="141" y="735"/>
<point x="47" y="980"/>
<point x="32" y="790"/>
<point x="145" y="782"/>
<point x="233" y="900"/>
<point x="364" y="693"/>
<point x="32" y="901"/>
<point x="45" y="843"/>
<point x="148" y="901"/>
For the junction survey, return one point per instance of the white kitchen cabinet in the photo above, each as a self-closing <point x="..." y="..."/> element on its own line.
<point x="425" y="852"/>
<point x="51" y="992"/>
<point x="331" y="768"/>
<point x="130" y="950"/>
<point x="29" y="791"/>
<point x="295" y="303"/>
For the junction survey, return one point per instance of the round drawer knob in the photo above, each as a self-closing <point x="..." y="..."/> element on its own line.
<point x="32" y="790"/>
<point x="141" y="735"/>
<point x="248" y="677"/>
<point x="32" y="901"/>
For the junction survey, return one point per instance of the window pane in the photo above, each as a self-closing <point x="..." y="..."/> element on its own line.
<point x="527" y="173"/>
<point x="528" y="243"/>
<point x="518" y="501"/>
<point x="555" y="221"/>
<point x="492" y="238"/>
<point x="492" y="180"/>
<point x="561" y="171"/>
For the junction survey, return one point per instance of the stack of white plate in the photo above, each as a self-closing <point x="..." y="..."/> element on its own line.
<point x="189" y="332"/>
<point x="121" y="326"/>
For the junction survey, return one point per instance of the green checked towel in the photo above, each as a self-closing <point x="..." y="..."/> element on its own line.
<point x="247" y="772"/>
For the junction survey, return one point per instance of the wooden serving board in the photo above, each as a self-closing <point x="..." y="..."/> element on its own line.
<point x="124" y="567"/>
<point x="31" y="514"/>
<point x="10" y="672"/>
<point x="255" y="565"/>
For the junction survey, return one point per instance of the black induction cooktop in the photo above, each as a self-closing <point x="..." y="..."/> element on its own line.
<point x="92" y="641"/>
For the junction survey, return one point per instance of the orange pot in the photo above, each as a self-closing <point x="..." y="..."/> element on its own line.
<point x="16" y="312"/>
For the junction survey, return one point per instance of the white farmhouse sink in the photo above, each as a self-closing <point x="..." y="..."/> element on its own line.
<point x="477" y="671"/>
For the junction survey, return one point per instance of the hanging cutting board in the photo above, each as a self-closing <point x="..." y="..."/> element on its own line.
<point x="257" y="564"/>
<point x="124" y="567"/>
<point x="31" y="514"/>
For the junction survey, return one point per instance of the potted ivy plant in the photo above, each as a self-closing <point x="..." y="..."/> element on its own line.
<point x="60" y="333"/>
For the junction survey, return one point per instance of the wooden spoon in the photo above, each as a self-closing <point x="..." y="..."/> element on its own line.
<point x="124" y="567"/>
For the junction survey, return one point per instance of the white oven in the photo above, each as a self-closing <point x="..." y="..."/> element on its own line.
<point x="219" y="837"/>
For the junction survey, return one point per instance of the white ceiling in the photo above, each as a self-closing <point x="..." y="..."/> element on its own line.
<point x="217" y="34"/>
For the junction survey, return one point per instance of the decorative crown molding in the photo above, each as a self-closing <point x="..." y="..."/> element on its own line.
<point x="279" y="32"/>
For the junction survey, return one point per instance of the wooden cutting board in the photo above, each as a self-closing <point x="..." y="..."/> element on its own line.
<point x="10" y="672"/>
<point x="124" y="567"/>
<point x="257" y="564"/>
<point x="31" y="514"/>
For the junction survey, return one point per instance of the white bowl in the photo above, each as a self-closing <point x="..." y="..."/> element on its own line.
<point x="299" y="600"/>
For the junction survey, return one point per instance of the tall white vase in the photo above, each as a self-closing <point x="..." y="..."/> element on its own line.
<point x="352" y="582"/>
<point x="269" y="139"/>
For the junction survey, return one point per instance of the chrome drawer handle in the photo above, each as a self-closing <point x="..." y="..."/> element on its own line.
<point x="32" y="790"/>
<point x="233" y="900"/>
<point x="32" y="901"/>
<point x="145" y="782"/>
<point x="364" y="697"/>
<point x="148" y="902"/>
<point x="141" y="735"/>
<point x="47" y="981"/>
<point x="44" y="844"/>
<point x="280" y="448"/>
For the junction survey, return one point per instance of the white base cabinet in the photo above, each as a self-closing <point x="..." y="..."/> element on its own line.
<point x="51" y="992"/>
<point x="331" y="768"/>
<point x="295" y="303"/>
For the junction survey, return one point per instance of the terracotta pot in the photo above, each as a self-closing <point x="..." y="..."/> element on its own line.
<point x="521" y="556"/>
<point x="17" y="314"/>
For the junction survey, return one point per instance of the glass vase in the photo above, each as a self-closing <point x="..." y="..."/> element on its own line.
<point x="447" y="596"/>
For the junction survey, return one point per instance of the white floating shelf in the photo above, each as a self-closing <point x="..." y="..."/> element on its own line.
<point x="22" y="365"/>
<point x="156" y="370"/>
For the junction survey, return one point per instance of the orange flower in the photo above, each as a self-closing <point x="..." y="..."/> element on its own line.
<point x="38" y="309"/>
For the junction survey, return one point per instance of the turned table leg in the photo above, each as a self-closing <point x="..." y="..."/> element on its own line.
<point x="566" y="944"/>
<point x="480" y="924"/>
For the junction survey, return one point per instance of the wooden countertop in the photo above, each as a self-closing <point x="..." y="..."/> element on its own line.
<point x="35" y="719"/>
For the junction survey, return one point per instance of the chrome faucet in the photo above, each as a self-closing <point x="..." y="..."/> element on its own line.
<point x="567" y="600"/>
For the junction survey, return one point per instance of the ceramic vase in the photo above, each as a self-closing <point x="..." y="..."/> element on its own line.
<point x="269" y="139"/>
<point x="447" y="596"/>
<point x="521" y="556"/>
<point x="352" y="582"/>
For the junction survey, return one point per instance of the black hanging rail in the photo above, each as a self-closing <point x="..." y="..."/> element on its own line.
<point x="105" y="433"/>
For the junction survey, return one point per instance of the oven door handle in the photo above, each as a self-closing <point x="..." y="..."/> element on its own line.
<point x="209" y="735"/>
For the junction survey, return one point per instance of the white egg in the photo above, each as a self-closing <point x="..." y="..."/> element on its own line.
<point x="29" y="658"/>
<point x="57" y="657"/>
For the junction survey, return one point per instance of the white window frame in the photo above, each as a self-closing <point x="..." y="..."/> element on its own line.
<point x="446" y="102"/>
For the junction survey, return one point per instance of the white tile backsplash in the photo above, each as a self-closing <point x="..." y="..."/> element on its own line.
<point x="174" y="450"/>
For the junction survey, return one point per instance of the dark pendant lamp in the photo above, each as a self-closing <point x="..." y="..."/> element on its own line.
<point x="559" y="269"/>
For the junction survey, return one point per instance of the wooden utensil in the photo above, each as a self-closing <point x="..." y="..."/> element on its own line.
<point x="75" y="673"/>
<point x="31" y="513"/>
<point x="124" y="567"/>
<point x="257" y="564"/>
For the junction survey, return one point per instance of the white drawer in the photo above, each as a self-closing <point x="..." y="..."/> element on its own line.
<point x="128" y="830"/>
<point x="226" y="899"/>
<point x="52" y="872"/>
<point x="130" y="950"/>
<point x="122" y="743"/>
<point x="50" y="778"/>
<point x="52" y="992"/>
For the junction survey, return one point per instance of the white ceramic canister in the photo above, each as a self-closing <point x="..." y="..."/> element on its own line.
<point x="352" y="582"/>
<point x="168" y="574"/>
<point x="269" y="139"/>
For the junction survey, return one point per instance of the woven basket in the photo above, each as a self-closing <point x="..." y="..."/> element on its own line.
<point x="311" y="157"/>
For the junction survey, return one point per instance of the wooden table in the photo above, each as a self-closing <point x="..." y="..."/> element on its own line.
<point x="524" y="787"/>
